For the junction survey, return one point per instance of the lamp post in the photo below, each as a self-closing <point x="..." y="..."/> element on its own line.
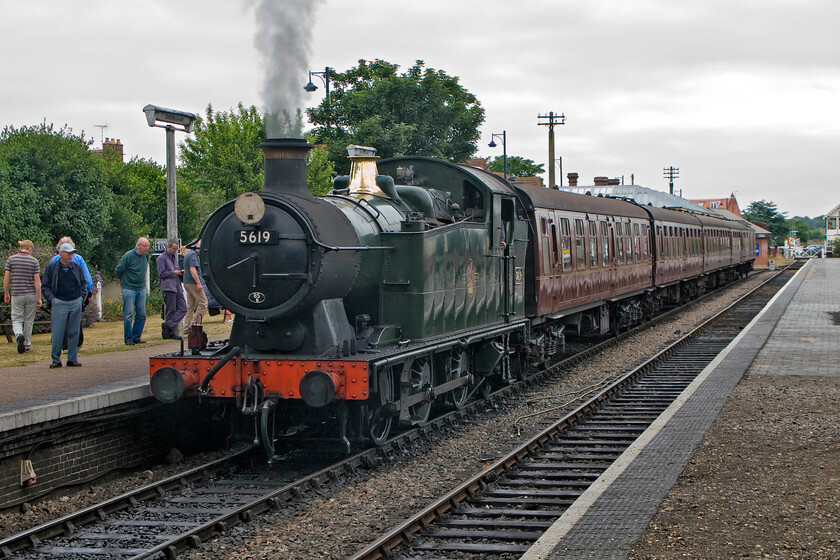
<point x="155" y="114"/>
<point x="493" y="144"/>
<point x="552" y="120"/>
<point x="310" y="87"/>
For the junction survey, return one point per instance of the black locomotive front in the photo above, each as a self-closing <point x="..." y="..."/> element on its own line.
<point x="275" y="259"/>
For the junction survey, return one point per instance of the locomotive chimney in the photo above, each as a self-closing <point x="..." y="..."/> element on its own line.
<point x="285" y="165"/>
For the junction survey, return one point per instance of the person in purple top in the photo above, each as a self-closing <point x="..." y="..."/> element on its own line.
<point x="174" y="304"/>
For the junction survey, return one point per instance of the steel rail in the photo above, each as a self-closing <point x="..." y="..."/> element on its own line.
<point x="273" y="501"/>
<point x="405" y="533"/>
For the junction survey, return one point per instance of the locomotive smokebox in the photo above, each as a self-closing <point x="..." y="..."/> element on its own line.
<point x="282" y="259"/>
<point x="285" y="165"/>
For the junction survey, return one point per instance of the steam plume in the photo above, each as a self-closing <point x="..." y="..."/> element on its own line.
<point x="284" y="34"/>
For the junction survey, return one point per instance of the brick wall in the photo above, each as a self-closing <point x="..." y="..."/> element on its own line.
<point x="84" y="448"/>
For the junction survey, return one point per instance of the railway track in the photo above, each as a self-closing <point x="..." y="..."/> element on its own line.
<point x="503" y="510"/>
<point x="179" y="513"/>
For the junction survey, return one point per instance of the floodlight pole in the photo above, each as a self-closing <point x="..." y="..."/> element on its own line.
<point x="171" y="187"/>
<point x="186" y="121"/>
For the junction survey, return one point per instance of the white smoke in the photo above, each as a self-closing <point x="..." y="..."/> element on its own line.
<point x="284" y="34"/>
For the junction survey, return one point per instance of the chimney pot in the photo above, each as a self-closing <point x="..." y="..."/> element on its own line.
<point x="573" y="179"/>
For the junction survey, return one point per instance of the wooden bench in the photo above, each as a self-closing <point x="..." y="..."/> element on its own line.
<point x="6" y="320"/>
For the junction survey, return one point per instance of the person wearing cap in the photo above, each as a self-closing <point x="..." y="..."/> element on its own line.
<point x="76" y="258"/>
<point x="22" y="288"/>
<point x="64" y="287"/>
<point x="196" y="299"/>
<point x="131" y="273"/>
<point x="170" y="275"/>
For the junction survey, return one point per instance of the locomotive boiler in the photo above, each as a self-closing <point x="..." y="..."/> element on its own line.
<point x="416" y="283"/>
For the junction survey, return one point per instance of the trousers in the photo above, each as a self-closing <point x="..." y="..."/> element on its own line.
<point x="23" y="316"/>
<point x="66" y="317"/>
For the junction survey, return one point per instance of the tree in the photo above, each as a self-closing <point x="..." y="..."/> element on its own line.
<point x="52" y="186"/>
<point x="421" y="112"/>
<point x="223" y="160"/>
<point x="18" y="209"/>
<point x="800" y="226"/>
<point x="319" y="168"/>
<point x="766" y="215"/>
<point x="516" y="166"/>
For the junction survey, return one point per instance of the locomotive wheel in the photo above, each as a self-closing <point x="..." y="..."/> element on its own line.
<point x="457" y="369"/>
<point x="379" y="418"/>
<point x="420" y="377"/>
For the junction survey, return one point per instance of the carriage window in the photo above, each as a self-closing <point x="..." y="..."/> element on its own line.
<point x="605" y="244"/>
<point x="637" y="244"/>
<point x="593" y="244"/>
<point x="554" y="256"/>
<point x="644" y="242"/>
<point x="619" y="244"/>
<point x="566" y="243"/>
<point x="580" y="250"/>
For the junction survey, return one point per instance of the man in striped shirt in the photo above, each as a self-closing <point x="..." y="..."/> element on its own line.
<point x="22" y="287"/>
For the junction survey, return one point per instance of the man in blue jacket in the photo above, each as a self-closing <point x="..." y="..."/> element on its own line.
<point x="64" y="287"/>
<point x="174" y="304"/>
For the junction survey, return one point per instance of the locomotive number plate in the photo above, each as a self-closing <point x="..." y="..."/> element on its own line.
<point x="257" y="237"/>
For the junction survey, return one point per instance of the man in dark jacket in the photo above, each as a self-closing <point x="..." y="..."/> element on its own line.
<point x="174" y="304"/>
<point x="64" y="287"/>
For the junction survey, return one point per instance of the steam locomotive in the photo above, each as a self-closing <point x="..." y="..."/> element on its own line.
<point x="417" y="283"/>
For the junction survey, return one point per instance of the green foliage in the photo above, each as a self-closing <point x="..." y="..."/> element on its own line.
<point x="419" y="112"/>
<point x="18" y="209"/>
<point x="516" y="166"/>
<point x="51" y="186"/>
<point x="319" y="168"/>
<point x="766" y="215"/>
<point x="808" y="230"/>
<point x="223" y="160"/>
<point x="802" y="229"/>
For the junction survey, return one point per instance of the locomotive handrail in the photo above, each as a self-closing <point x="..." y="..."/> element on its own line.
<point x="364" y="248"/>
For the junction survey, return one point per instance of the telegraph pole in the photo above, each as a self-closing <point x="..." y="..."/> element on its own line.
<point x="671" y="173"/>
<point x="552" y="120"/>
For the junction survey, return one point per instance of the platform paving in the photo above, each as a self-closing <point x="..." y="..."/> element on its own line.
<point x="795" y="334"/>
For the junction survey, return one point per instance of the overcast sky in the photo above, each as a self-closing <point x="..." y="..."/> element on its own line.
<point x="741" y="95"/>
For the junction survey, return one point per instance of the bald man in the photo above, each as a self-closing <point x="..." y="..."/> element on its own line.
<point x="131" y="273"/>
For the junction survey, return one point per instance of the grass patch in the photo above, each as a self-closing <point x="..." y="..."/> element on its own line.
<point x="102" y="337"/>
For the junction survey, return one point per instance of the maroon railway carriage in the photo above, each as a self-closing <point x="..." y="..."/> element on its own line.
<point x="598" y="264"/>
<point x="584" y="250"/>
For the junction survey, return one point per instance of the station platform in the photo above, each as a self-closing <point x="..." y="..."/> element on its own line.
<point x="794" y="335"/>
<point x="33" y="394"/>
